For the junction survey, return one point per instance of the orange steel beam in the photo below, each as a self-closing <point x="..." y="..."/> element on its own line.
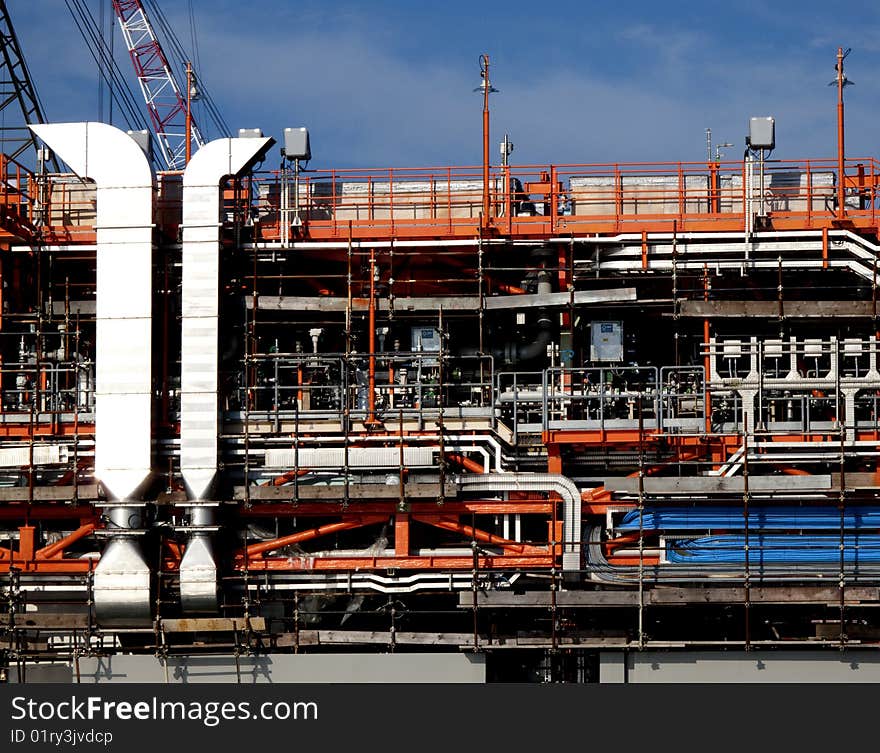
<point x="475" y="507"/>
<point x="57" y="549"/>
<point x="633" y="561"/>
<point x="502" y="562"/>
<point x="353" y="521"/>
<point x="401" y="534"/>
<point x="26" y="543"/>
<point x="448" y="524"/>
<point x="56" y="566"/>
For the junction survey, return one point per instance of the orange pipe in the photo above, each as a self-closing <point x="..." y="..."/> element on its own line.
<point x="841" y="189"/>
<point x="188" y="151"/>
<point x="285" y="477"/>
<point x="475" y="533"/>
<point x="355" y="521"/>
<point x="53" y="550"/>
<point x="471" y="465"/>
<point x="486" y="87"/>
<point x="612" y="544"/>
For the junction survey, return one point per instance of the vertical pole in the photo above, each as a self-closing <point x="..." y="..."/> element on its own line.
<point x="371" y="394"/>
<point x="641" y="527"/>
<point x="484" y="65"/>
<point x="841" y="191"/>
<point x="188" y="111"/>
<point x="842" y="508"/>
<point x="747" y="579"/>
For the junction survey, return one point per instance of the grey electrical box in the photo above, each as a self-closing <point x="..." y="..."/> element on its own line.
<point x="296" y="143"/>
<point x="144" y="141"/>
<point x="762" y="133"/>
<point x="250" y="133"/>
<point x="425" y="339"/>
<point x="606" y="341"/>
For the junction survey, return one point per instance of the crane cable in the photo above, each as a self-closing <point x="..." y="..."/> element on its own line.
<point x="174" y="45"/>
<point x="120" y="92"/>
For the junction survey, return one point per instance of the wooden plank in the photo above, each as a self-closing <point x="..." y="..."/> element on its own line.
<point x="55" y="621"/>
<point x="670" y="596"/>
<point x="51" y="493"/>
<point x="213" y="624"/>
<point x="765" y="309"/>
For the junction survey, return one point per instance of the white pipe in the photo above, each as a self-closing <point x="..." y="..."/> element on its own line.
<point x="539" y="482"/>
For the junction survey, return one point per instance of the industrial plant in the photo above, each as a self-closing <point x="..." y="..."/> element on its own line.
<point x="545" y="415"/>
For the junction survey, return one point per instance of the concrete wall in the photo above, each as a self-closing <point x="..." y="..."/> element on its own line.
<point x="319" y="668"/>
<point x="739" y="666"/>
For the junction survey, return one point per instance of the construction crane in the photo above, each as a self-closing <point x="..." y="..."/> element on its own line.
<point x="16" y="88"/>
<point x="171" y="119"/>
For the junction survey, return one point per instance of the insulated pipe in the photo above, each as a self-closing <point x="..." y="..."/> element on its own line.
<point x="125" y="186"/>
<point x="199" y="362"/>
<point x="539" y="482"/>
<point x="199" y="410"/>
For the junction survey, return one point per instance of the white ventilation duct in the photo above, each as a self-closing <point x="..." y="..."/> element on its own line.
<point x="199" y="418"/>
<point x="199" y="407"/>
<point x="123" y="349"/>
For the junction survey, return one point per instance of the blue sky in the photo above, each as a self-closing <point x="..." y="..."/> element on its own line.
<point x="389" y="83"/>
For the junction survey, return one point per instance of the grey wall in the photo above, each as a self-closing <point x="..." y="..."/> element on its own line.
<point x="739" y="666"/>
<point x="428" y="668"/>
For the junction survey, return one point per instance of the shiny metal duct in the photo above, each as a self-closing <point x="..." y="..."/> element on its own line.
<point x="199" y="409"/>
<point x="123" y="350"/>
<point x="198" y="569"/>
<point x="199" y="419"/>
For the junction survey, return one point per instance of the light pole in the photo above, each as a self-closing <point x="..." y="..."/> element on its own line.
<point x="486" y="88"/>
<point x="192" y="94"/>
<point x="841" y="81"/>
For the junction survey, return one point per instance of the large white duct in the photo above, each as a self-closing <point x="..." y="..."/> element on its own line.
<point x="199" y="419"/>
<point x="199" y="364"/>
<point x="123" y="350"/>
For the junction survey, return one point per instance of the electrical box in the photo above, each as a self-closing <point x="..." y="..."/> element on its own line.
<point x="425" y="339"/>
<point x="762" y="133"/>
<point x="296" y="144"/>
<point x="250" y="133"/>
<point x="606" y="341"/>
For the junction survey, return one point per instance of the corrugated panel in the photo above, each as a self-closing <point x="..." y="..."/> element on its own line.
<point x="44" y="454"/>
<point x="358" y="457"/>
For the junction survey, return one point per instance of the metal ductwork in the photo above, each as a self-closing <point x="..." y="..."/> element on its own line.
<point x="122" y="581"/>
<point x="199" y="410"/>
<point x="123" y="381"/>
<point x="198" y="568"/>
<point x="199" y="417"/>
<point x="540" y="482"/>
